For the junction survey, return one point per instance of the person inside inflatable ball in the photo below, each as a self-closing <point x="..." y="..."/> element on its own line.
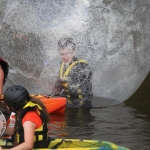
<point x="75" y="76"/>
<point x="31" y="118"/>
<point x="3" y="74"/>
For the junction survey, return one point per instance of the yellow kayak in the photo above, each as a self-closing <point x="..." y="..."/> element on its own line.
<point x="72" y="144"/>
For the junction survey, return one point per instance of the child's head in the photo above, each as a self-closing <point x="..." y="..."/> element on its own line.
<point x="66" y="47"/>
<point x="66" y="43"/>
<point x="16" y="97"/>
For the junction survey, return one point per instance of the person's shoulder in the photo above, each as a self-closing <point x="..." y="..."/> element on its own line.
<point x="34" y="117"/>
<point x="83" y="66"/>
<point x="31" y="113"/>
<point x="83" y="63"/>
<point x="80" y="60"/>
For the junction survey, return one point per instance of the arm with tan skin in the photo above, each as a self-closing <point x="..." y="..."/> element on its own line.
<point x="9" y="130"/>
<point x="1" y="80"/>
<point x="29" y="128"/>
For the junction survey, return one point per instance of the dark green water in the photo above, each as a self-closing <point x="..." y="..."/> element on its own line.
<point x="127" y="124"/>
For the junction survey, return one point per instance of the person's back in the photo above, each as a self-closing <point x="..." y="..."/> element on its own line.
<point x="75" y="77"/>
<point x="36" y="112"/>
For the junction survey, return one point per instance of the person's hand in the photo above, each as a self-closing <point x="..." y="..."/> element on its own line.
<point x="1" y="148"/>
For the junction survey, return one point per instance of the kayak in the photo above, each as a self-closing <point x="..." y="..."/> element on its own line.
<point x="72" y="144"/>
<point x="53" y="104"/>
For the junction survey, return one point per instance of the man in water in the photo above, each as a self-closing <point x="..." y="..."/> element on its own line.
<point x="74" y="81"/>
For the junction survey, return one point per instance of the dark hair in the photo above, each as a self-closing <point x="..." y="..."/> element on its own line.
<point x="66" y="42"/>
<point x="37" y="101"/>
<point x="5" y="68"/>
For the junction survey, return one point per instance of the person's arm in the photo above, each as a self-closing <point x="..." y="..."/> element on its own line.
<point x="1" y="80"/>
<point x="9" y="130"/>
<point x="29" y="128"/>
<point x="56" y="90"/>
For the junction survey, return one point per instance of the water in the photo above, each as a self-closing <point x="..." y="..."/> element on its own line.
<point x="127" y="124"/>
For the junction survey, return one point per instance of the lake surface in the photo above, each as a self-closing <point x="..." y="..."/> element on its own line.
<point x="127" y="124"/>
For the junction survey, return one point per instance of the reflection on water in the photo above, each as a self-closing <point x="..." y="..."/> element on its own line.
<point x="79" y="123"/>
<point x="71" y="124"/>
<point x="57" y="126"/>
<point x="140" y="100"/>
<point x="122" y="125"/>
<point x="127" y="124"/>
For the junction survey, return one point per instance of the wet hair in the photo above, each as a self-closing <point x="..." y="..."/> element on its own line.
<point x="5" y="68"/>
<point x="66" y="42"/>
<point x="37" y="101"/>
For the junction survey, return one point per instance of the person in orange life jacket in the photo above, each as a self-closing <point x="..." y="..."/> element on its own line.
<point x="31" y="119"/>
<point x="3" y="74"/>
<point x="75" y="77"/>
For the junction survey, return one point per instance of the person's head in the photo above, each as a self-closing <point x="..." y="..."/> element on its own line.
<point x="16" y="97"/>
<point x="66" y="47"/>
<point x="5" y="68"/>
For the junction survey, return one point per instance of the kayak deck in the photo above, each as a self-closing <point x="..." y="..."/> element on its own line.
<point x="74" y="144"/>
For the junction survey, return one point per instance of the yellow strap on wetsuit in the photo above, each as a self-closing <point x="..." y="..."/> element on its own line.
<point x="66" y="74"/>
<point x="69" y="68"/>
